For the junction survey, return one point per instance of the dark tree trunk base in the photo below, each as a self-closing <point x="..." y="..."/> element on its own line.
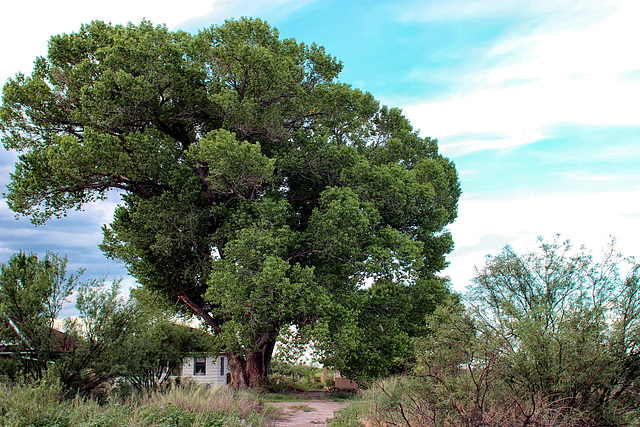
<point x="250" y="371"/>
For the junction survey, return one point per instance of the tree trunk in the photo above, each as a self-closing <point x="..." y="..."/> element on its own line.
<point x="250" y="371"/>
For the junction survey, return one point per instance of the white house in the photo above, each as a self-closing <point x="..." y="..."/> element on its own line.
<point x="205" y="369"/>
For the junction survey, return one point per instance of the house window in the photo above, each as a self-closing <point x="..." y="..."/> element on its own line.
<point x="221" y="365"/>
<point x="199" y="366"/>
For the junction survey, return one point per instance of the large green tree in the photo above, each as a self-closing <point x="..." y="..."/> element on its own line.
<point x="256" y="189"/>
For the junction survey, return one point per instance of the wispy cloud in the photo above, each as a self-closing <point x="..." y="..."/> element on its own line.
<point x="594" y="177"/>
<point x="551" y="74"/>
<point x="28" y="25"/>
<point x="463" y="10"/>
<point x="25" y="27"/>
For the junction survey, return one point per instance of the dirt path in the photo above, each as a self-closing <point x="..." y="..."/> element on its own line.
<point x="304" y="413"/>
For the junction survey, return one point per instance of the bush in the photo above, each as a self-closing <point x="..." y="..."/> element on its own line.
<point x="288" y="377"/>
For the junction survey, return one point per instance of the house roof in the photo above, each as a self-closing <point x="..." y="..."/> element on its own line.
<point x="17" y="335"/>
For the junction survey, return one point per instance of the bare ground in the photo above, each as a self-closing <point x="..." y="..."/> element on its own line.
<point x="306" y="412"/>
<point x="310" y="410"/>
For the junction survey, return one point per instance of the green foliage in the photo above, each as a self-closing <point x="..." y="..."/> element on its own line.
<point x="550" y="340"/>
<point x="573" y="323"/>
<point x="32" y="292"/>
<point x="344" y="418"/>
<point x="134" y="341"/>
<point x="282" y="368"/>
<point x="286" y="377"/>
<point x="104" y="325"/>
<point x="236" y="145"/>
<point x="33" y="405"/>
<point x="157" y="345"/>
<point x="382" y="341"/>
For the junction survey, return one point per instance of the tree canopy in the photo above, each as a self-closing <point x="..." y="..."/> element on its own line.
<point x="256" y="189"/>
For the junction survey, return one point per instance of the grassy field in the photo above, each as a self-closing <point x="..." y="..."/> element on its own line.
<point x="42" y="405"/>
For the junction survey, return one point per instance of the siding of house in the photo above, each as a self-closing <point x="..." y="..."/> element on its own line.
<point x="216" y="370"/>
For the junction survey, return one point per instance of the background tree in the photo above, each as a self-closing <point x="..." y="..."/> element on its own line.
<point x="389" y="320"/>
<point x="32" y="292"/>
<point x="256" y="189"/>
<point x="133" y="340"/>
<point x="158" y="345"/>
<point x="104" y="326"/>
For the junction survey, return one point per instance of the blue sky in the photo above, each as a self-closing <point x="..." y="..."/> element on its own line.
<point x="537" y="103"/>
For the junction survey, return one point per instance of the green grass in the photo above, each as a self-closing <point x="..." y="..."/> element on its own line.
<point x="340" y="395"/>
<point x="336" y="396"/>
<point x="279" y="397"/>
<point x="304" y="407"/>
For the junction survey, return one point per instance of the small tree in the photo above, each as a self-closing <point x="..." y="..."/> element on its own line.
<point x="32" y="293"/>
<point x="134" y="340"/>
<point x="551" y="338"/>
<point x="457" y="379"/>
<point x="106" y="322"/>
<point x="158" y="345"/>
<point x="573" y="325"/>
<point x="126" y="339"/>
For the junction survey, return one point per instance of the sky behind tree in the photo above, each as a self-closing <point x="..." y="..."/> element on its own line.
<point x="537" y="103"/>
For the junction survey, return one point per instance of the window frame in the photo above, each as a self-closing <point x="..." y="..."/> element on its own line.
<point x="199" y="366"/>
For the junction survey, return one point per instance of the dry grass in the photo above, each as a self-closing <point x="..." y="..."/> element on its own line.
<point x="200" y="399"/>
<point x="42" y="405"/>
<point x="304" y="407"/>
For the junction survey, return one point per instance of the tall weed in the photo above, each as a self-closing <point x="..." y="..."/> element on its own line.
<point x="41" y="404"/>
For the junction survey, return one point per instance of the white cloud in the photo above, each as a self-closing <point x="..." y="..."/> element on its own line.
<point x="562" y="75"/>
<point x="539" y="17"/>
<point x="572" y="69"/>
<point x="486" y="226"/>
<point x="595" y="177"/>
<point x="228" y="9"/>
<point x="474" y="9"/>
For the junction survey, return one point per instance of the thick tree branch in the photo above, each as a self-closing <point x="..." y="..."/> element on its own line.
<point x="201" y="312"/>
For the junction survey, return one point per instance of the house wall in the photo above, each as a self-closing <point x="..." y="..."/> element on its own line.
<point x="213" y="373"/>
